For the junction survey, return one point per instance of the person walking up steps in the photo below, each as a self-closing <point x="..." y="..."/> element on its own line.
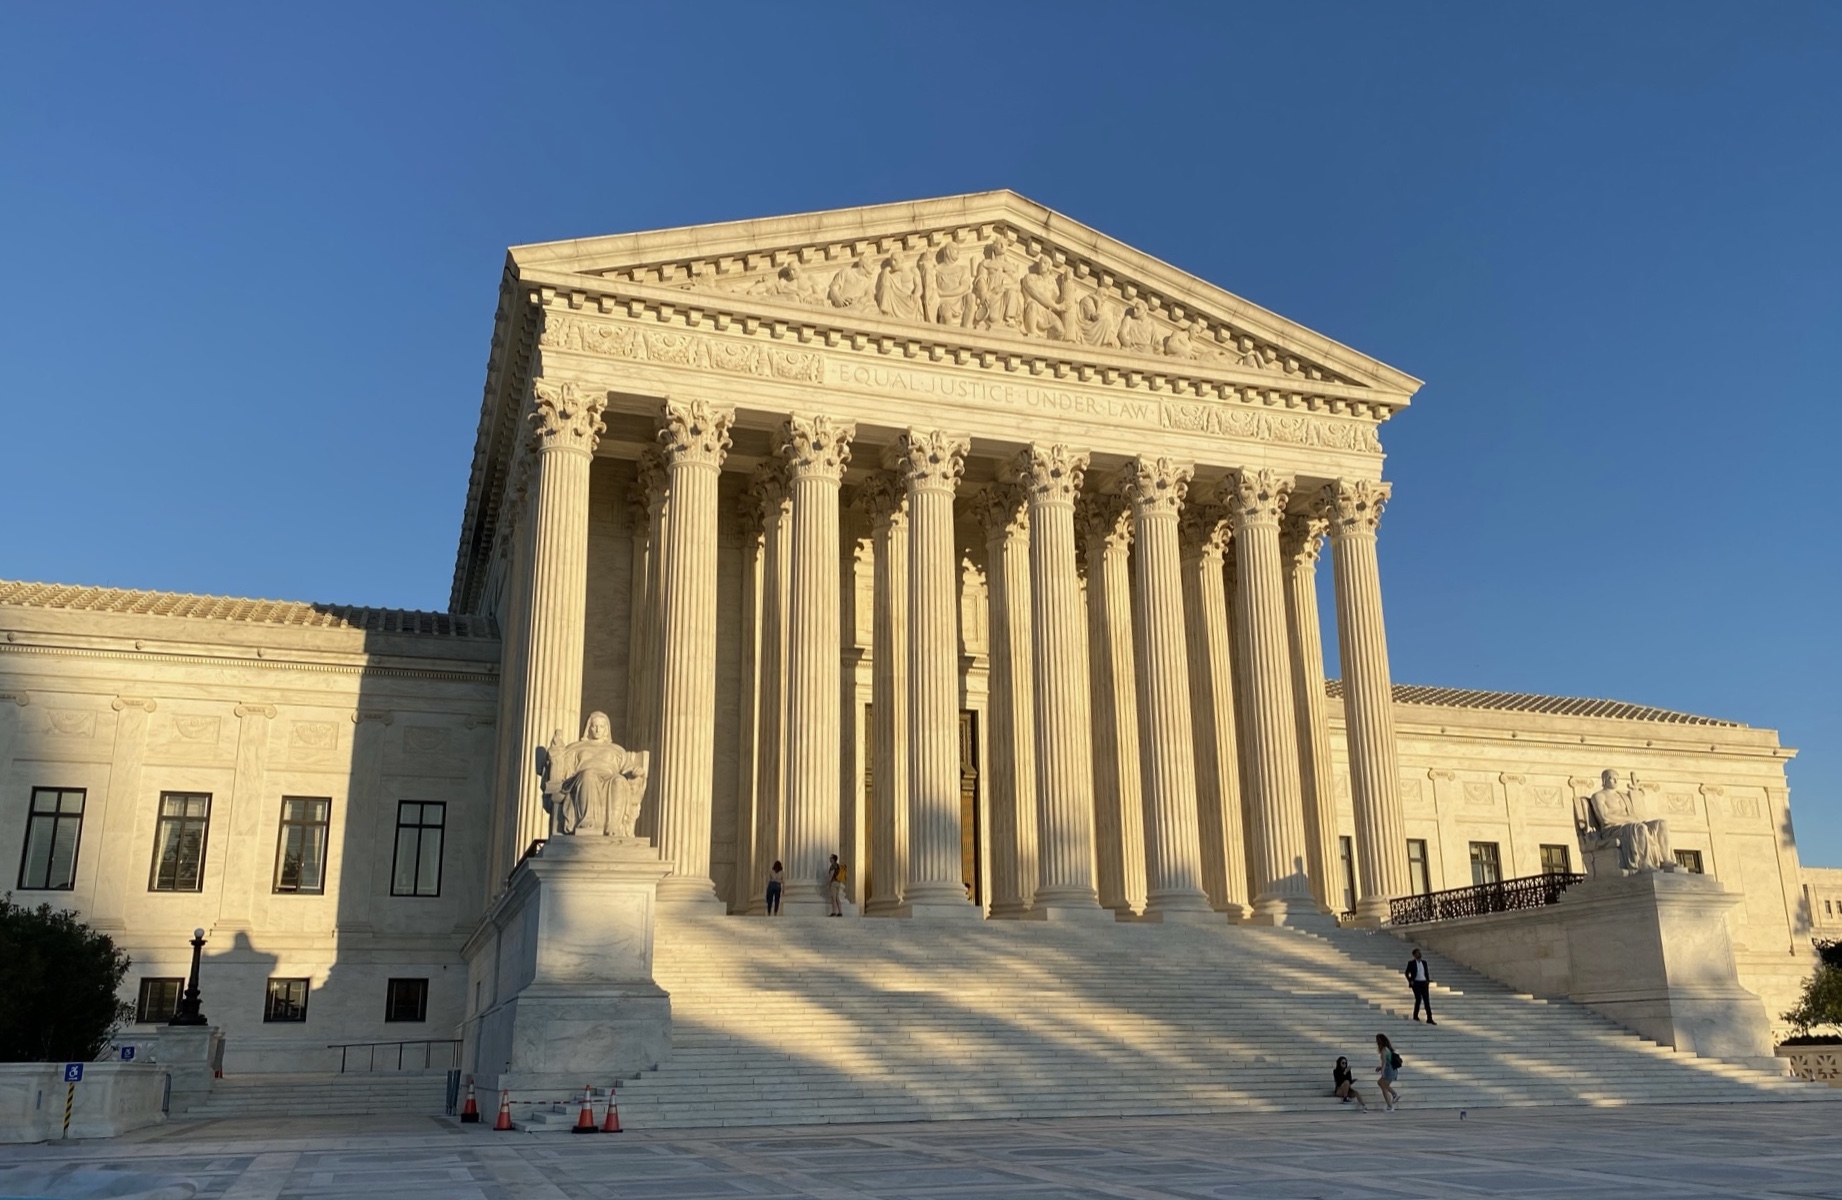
<point x="773" y="897"/>
<point x="1388" y="1070"/>
<point x="1420" y="979"/>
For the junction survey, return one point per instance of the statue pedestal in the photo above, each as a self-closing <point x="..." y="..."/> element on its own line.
<point x="559" y="972"/>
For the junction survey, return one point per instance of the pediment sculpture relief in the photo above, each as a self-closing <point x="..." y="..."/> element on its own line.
<point x="996" y="283"/>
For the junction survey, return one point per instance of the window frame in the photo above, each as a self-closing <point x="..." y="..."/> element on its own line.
<point x="1424" y="863"/>
<point x="421" y="828"/>
<point x="421" y="992"/>
<point x="204" y="841"/>
<point x="324" y="825"/>
<point x="1494" y="859"/>
<point x="57" y="818"/>
<point x="1691" y="860"/>
<point x="269" y="997"/>
<point x="1346" y="855"/>
<point x="1566" y="857"/>
<point x="141" y="1016"/>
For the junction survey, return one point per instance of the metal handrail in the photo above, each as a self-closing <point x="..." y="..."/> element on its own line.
<point x="1507" y="895"/>
<point x="428" y="1052"/>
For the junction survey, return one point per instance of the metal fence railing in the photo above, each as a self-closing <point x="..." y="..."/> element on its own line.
<point x="1508" y="895"/>
<point x="427" y="1054"/>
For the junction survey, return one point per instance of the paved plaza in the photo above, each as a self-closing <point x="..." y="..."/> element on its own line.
<point x="1564" y="1153"/>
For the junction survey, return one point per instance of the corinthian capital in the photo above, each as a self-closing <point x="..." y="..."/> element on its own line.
<point x="815" y="447"/>
<point x="1003" y="508"/>
<point x="931" y="460"/>
<point x="565" y="417"/>
<point x="1204" y="529"/>
<point x="1050" y="474"/>
<point x="1156" y="486"/>
<point x="1257" y="497"/>
<point x="1301" y="536"/>
<point x="695" y="432"/>
<point x="1352" y="506"/>
<point x="883" y="499"/>
<point x="1104" y="520"/>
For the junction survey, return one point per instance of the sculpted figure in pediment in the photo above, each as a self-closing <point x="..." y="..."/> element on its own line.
<point x="995" y="295"/>
<point x="1137" y="331"/>
<point x="1042" y="301"/>
<point x="1096" y="317"/>
<point x="593" y="777"/>
<point x="790" y="283"/>
<point x="898" y="288"/>
<point x="946" y="285"/>
<point x="853" y="286"/>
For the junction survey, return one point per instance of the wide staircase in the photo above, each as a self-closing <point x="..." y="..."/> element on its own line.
<point x="246" y="1096"/>
<point x="794" y="1022"/>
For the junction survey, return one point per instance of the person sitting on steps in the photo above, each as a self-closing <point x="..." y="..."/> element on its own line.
<point x="1344" y="1085"/>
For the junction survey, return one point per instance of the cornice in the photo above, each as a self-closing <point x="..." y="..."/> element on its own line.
<point x="259" y="659"/>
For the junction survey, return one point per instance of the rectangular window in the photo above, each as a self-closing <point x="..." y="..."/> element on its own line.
<point x="159" y="999"/>
<point x="1486" y="866"/>
<point x="53" y="828"/>
<point x="1689" y="860"/>
<point x="1347" y="850"/>
<point x="179" y="845"/>
<point x="287" y="1000"/>
<point x="1419" y="874"/>
<point x="1556" y="860"/>
<point x="417" y="871"/>
<point x="406" y="1000"/>
<point x="300" y="854"/>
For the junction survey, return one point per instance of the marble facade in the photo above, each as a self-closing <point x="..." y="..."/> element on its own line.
<point x="953" y="538"/>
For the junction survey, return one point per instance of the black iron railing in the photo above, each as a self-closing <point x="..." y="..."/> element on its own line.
<point x="1508" y="895"/>
<point x="442" y="1053"/>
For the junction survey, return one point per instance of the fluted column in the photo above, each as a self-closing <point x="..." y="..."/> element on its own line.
<point x="816" y="450"/>
<point x="748" y="723"/>
<point x="694" y="437"/>
<point x="1105" y="520"/>
<point x="1205" y="531"/>
<point x="1173" y="851"/>
<point x="885" y="501"/>
<point x="1354" y="508"/>
<point x="1066" y="798"/>
<point x="768" y="490"/>
<point x="1301" y="536"/>
<point x="930" y="463"/>
<point x="1259" y="501"/>
<point x="515" y="602"/>
<point x="648" y="633"/>
<point x="566" y="425"/>
<point x="1011" y="733"/>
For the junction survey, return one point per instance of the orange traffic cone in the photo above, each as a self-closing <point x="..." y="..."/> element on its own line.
<point x="612" y="1124"/>
<point x="504" y="1123"/>
<point x="470" y="1112"/>
<point x="585" y="1120"/>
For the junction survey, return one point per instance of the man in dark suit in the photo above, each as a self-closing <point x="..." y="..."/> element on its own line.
<point x="1421" y="980"/>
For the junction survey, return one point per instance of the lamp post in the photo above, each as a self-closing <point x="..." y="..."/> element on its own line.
<point x="188" y="1013"/>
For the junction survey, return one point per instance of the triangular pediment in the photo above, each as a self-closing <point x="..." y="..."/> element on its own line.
<point x="992" y="268"/>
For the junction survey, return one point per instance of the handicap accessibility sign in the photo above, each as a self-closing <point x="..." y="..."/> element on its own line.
<point x="127" y="1053"/>
<point x="73" y="1072"/>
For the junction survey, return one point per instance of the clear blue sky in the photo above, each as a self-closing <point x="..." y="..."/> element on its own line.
<point x="253" y="256"/>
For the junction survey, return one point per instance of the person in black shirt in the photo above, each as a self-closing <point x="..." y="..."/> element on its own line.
<point x="1345" y="1085"/>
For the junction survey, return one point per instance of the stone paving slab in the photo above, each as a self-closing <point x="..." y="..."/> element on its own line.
<point x="1738" y="1151"/>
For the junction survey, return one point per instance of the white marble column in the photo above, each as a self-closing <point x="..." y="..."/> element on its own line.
<point x="748" y="714"/>
<point x="1205" y="532"/>
<point x="694" y="437"/>
<point x="566" y="422"/>
<point x="1105" y="520"/>
<point x="643" y="697"/>
<point x="1259" y="502"/>
<point x="1354" y="508"/>
<point x="770" y="493"/>
<point x="1173" y="851"/>
<point x="816" y="450"/>
<point x="931" y="462"/>
<point x="1301" y="536"/>
<point x="1051" y="477"/>
<point x="1011" y="731"/>
<point x="885" y="502"/>
<point x="514" y="544"/>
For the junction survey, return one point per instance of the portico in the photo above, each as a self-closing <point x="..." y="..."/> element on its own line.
<point x="795" y="495"/>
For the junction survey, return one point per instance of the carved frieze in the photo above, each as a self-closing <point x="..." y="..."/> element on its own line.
<point x="72" y="722"/>
<point x="196" y="729"/>
<point x="313" y="736"/>
<point x="683" y="349"/>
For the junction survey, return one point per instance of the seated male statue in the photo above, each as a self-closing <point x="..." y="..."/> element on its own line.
<point x="593" y="777"/>
<point x="1608" y="820"/>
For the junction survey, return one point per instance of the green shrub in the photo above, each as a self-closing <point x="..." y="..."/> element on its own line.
<point x="57" y="986"/>
<point x="1821" y="1002"/>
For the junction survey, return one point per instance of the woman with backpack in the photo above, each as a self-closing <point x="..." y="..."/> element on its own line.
<point x="1389" y="1069"/>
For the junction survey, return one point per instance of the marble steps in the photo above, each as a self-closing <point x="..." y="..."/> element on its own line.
<point x="239" y="1096"/>
<point x="877" y="1020"/>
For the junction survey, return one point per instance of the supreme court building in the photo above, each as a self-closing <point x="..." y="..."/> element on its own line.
<point x="953" y="538"/>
